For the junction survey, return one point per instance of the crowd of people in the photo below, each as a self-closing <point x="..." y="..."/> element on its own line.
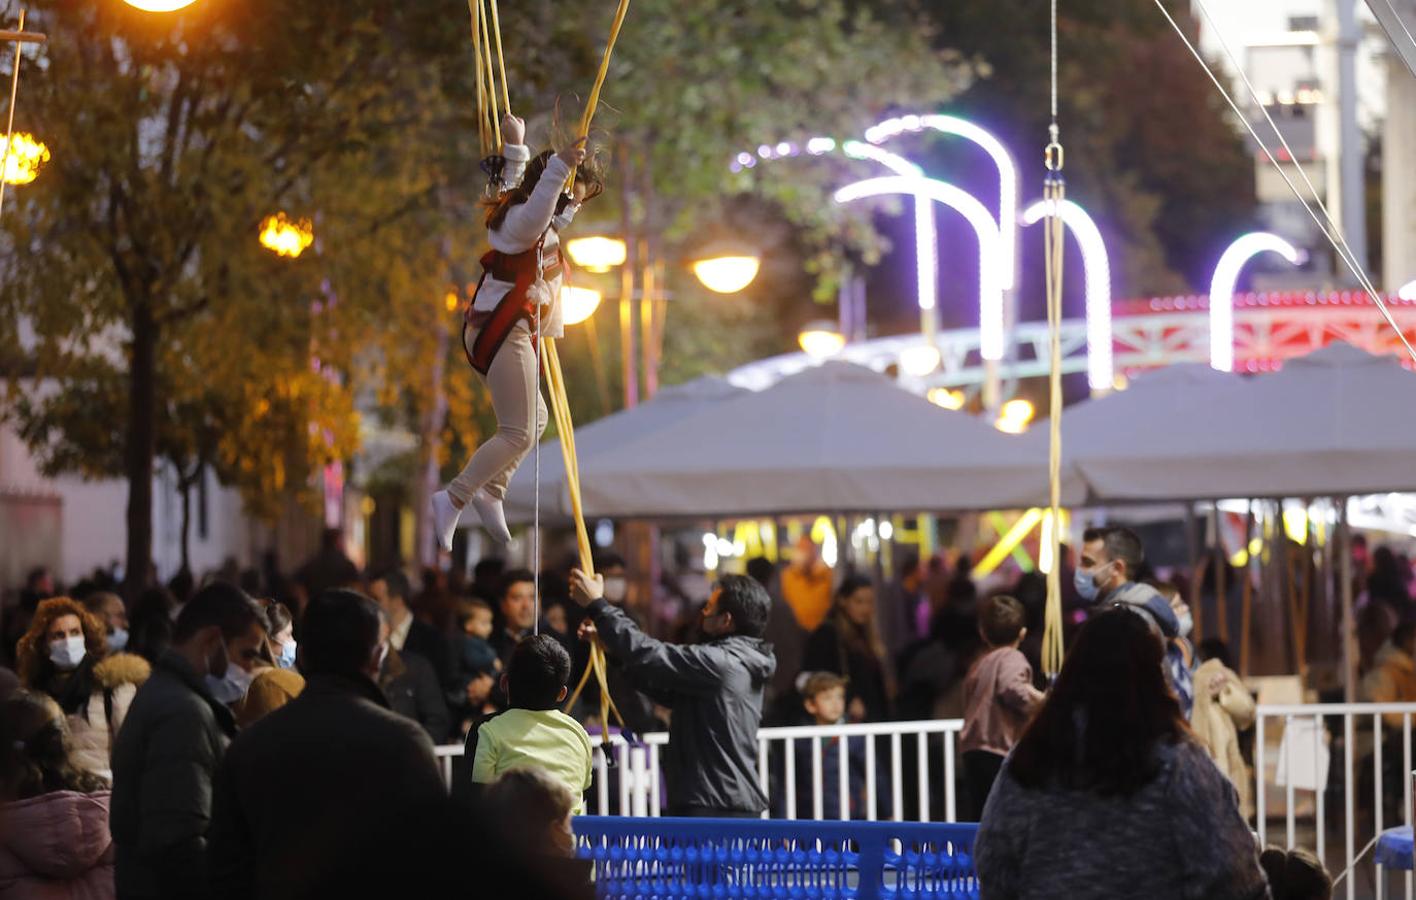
<point x="252" y="736"/>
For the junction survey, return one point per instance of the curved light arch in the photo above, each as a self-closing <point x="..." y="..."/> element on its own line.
<point x="1007" y="173"/>
<point x="990" y="284"/>
<point x="926" y="241"/>
<point x="1407" y="292"/>
<point x="1221" y="296"/>
<point x="1096" y="266"/>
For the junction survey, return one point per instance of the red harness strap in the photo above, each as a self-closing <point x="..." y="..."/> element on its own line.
<point x="496" y="326"/>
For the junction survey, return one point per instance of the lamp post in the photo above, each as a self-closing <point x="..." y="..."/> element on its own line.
<point x="159" y="5"/>
<point x="721" y="268"/>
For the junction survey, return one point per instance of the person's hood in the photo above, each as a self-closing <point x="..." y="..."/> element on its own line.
<point x="754" y="653"/>
<point x="118" y="669"/>
<point x="1147" y="601"/>
<point x="1394" y="657"/>
<point x="60" y="835"/>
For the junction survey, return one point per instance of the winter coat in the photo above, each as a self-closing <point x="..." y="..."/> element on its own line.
<point x="331" y="795"/>
<point x="163" y="764"/>
<point x="999" y="698"/>
<point x="1391" y="680"/>
<point x="56" y="847"/>
<point x="519" y="231"/>
<point x="412" y="690"/>
<point x="271" y="689"/>
<point x="865" y="675"/>
<point x="1217" y="722"/>
<point x="114" y="682"/>
<point x="715" y="692"/>
<point x="856" y="774"/>
<point x="1176" y="838"/>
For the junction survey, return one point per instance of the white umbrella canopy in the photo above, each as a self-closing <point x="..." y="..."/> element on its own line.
<point x="607" y="435"/>
<point x="835" y="438"/>
<point x="1336" y="422"/>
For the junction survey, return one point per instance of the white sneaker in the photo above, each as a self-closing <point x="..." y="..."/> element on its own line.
<point x="445" y="516"/>
<point x="493" y="516"/>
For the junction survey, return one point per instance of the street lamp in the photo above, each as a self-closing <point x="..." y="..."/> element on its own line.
<point x="596" y="253"/>
<point x="23" y="158"/>
<point x="820" y="340"/>
<point x="159" y="5"/>
<point x="578" y="304"/>
<point x="727" y="273"/>
<point x="284" y="237"/>
<point x="1014" y="416"/>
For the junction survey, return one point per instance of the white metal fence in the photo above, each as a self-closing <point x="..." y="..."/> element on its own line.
<point x="1327" y="777"/>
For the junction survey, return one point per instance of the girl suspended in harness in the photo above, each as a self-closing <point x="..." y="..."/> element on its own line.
<point x="519" y="293"/>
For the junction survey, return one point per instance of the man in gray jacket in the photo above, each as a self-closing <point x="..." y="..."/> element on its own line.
<point x="714" y="690"/>
<point x="169" y="746"/>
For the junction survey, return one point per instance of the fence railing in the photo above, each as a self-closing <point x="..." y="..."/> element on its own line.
<point x="1326" y="777"/>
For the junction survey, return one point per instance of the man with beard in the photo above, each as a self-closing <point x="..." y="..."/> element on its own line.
<point x="714" y="690"/>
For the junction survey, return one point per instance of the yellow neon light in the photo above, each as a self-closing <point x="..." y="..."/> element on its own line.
<point x="1007" y="543"/>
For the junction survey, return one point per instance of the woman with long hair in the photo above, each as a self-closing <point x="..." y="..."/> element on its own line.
<point x="65" y="654"/>
<point x="1108" y="794"/>
<point x="849" y="644"/>
<point x="274" y="681"/>
<point x="54" y="842"/>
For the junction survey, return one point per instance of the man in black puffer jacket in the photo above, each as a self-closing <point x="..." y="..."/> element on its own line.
<point x="713" y="688"/>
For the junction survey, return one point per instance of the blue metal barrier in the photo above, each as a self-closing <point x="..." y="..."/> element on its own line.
<point x="654" y="858"/>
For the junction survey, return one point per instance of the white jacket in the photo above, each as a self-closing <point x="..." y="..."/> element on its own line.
<point x="522" y="228"/>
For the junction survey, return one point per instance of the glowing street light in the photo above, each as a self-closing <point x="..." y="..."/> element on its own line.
<point x="820" y="340"/>
<point x="1014" y="416"/>
<point x="919" y="360"/>
<point x="283" y="237"/>
<point x="728" y="273"/>
<point x="1096" y="266"/>
<point x="946" y="398"/>
<point x="596" y="253"/>
<point x="578" y="304"/>
<point x="1221" y="296"/>
<point x="159" y="5"/>
<point x="23" y="159"/>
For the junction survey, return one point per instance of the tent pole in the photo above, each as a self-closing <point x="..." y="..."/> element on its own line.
<point x="1197" y="606"/>
<point x="1349" y="628"/>
<point x="1221" y="589"/>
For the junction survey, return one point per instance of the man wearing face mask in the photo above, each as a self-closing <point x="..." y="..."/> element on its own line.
<point x="330" y="795"/>
<point x="109" y="609"/>
<point x="168" y="750"/>
<point x="1111" y="559"/>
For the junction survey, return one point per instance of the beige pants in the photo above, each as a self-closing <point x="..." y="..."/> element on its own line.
<point x="511" y="380"/>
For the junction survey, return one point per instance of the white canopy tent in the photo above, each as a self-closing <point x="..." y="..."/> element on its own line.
<point x="835" y="438"/>
<point x="1337" y="422"/>
<point x="608" y="435"/>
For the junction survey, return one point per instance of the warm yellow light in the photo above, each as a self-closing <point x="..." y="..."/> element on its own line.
<point x="1014" y="416"/>
<point x="1295" y="524"/>
<point x="578" y="304"/>
<point x="1120" y="382"/>
<point x="942" y="396"/>
<point x="727" y="274"/>
<point x="159" y="5"/>
<point x="919" y="360"/>
<point x="452" y="301"/>
<point x="596" y="253"/>
<point x="23" y="158"/>
<point x="820" y="340"/>
<point x="284" y="237"/>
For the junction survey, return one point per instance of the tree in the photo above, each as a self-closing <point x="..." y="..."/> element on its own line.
<point x="173" y="137"/>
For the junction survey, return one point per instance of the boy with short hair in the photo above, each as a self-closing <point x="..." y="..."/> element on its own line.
<point x="533" y="731"/>
<point x="824" y="696"/>
<point x="999" y="698"/>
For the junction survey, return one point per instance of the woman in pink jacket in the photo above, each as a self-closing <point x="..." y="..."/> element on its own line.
<point x="54" y="840"/>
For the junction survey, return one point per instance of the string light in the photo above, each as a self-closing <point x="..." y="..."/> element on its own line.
<point x="1221" y="296"/>
<point x="1096" y="267"/>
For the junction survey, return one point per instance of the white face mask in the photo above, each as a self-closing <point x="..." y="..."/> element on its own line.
<point x="616" y="588"/>
<point x="118" y="640"/>
<point x="67" y="653"/>
<point x="232" y="686"/>
<point x="1187" y="623"/>
<point x="561" y="220"/>
<point x="286" y="659"/>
